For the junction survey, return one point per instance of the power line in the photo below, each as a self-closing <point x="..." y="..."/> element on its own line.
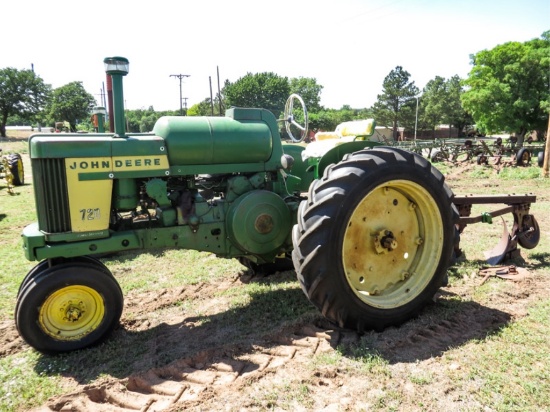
<point x="181" y="76"/>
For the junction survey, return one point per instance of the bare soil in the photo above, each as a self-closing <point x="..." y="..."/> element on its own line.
<point x="215" y="368"/>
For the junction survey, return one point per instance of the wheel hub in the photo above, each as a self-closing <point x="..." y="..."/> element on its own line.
<point x="73" y="313"/>
<point x="385" y="242"/>
<point x="396" y="218"/>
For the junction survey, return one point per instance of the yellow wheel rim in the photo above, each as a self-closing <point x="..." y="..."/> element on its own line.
<point x="72" y="312"/>
<point x="20" y="169"/>
<point x="392" y="244"/>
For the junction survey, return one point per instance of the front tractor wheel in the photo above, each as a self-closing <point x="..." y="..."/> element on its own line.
<point x="375" y="238"/>
<point x="68" y="307"/>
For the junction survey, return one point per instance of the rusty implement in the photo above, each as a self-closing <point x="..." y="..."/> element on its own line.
<point x="498" y="253"/>
<point x="504" y="272"/>
<point x="525" y="230"/>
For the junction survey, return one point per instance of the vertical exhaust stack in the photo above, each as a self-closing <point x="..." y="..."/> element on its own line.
<point x="110" y="103"/>
<point x="117" y="67"/>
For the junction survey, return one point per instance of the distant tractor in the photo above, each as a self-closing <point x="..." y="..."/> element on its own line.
<point x="62" y="127"/>
<point x="369" y="229"/>
<point x="12" y="170"/>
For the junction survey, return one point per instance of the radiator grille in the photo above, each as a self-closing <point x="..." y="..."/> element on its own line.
<point x="52" y="199"/>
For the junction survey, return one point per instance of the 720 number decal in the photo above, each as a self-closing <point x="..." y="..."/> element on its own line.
<point x="90" y="214"/>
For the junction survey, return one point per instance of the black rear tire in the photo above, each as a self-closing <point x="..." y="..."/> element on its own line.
<point x="16" y="169"/>
<point x="375" y="238"/>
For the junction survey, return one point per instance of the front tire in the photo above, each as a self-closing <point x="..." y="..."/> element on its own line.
<point x="375" y="238"/>
<point x="68" y="307"/>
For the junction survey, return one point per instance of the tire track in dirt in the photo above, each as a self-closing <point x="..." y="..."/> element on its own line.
<point x="181" y="383"/>
<point x="211" y="375"/>
<point x="10" y="341"/>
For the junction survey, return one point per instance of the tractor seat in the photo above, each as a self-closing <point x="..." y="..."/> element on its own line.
<point x="344" y="132"/>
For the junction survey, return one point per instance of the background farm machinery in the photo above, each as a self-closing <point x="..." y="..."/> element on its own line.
<point x="482" y="151"/>
<point x="11" y="169"/>
<point x="370" y="229"/>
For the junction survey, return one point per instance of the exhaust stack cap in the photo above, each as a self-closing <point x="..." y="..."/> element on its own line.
<point x="116" y="65"/>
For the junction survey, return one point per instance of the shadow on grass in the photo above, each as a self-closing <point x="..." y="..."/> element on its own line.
<point x="542" y="260"/>
<point x="262" y="322"/>
<point x="135" y="347"/>
<point x="449" y="323"/>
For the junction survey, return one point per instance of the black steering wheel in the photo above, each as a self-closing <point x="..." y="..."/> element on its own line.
<point x="289" y="118"/>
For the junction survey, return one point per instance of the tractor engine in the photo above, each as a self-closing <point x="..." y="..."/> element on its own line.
<point x="211" y="184"/>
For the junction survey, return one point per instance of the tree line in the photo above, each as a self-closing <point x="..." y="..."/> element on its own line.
<point x="507" y="90"/>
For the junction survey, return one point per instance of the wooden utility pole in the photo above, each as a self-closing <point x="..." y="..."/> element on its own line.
<point x="546" y="151"/>
<point x="180" y="76"/>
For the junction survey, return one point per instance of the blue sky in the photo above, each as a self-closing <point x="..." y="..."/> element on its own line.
<point x="349" y="46"/>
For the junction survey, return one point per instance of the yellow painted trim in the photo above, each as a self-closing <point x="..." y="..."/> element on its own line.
<point x="89" y="201"/>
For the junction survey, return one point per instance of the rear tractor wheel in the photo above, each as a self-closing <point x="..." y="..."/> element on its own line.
<point x="375" y="238"/>
<point x="16" y="169"/>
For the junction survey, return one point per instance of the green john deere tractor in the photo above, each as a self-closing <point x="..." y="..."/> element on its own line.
<point x="370" y="229"/>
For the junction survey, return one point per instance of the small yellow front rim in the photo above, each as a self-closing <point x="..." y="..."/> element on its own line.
<point x="392" y="244"/>
<point x="72" y="312"/>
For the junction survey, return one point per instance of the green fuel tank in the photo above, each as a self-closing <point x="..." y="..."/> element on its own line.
<point x="242" y="137"/>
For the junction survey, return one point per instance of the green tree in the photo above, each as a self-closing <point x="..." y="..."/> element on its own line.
<point x="22" y="94"/>
<point x="309" y="91"/>
<point x="328" y="119"/>
<point x="205" y="108"/>
<point x="455" y="114"/>
<point x="509" y="87"/>
<point x="440" y="104"/>
<point x="143" y="121"/>
<point x="396" y="99"/>
<point x="434" y="102"/>
<point x="263" y="90"/>
<point x="70" y="103"/>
